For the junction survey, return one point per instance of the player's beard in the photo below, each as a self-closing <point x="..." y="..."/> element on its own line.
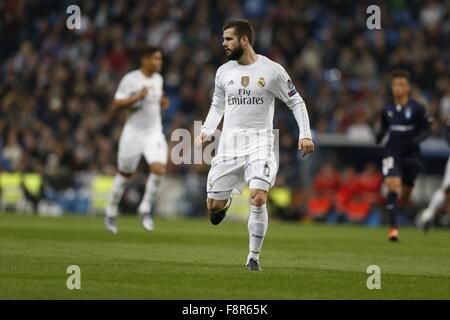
<point x="236" y="53"/>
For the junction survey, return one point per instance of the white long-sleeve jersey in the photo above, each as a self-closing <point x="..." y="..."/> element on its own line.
<point x="245" y="96"/>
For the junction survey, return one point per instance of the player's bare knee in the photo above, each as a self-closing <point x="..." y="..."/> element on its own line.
<point x="216" y="205"/>
<point x="393" y="185"/>
<point x="126" y="175"/>
<point x="257" y="201"/>
<point x="392" y="188"/>
<point x="258" y="198"/>
<point x="158" y="169"/>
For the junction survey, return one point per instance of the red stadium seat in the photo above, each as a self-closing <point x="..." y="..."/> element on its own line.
<point x="358" y="210"/>
<point x="318" y="207"/>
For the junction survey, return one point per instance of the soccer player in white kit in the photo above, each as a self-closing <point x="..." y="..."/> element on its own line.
<point x="140" y="93"/>
<point x="245" y="92"/>
<point x="426" y="217"/>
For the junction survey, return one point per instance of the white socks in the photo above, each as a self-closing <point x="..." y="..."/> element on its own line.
<point x="118" y="187"/>
<point x="257" y="227"/>
<point x="151" y="190"/>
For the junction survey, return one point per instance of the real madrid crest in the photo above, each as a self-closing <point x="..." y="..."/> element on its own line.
<point x="408" y="113"/>
<point x="261" y="82"/>
<point x="245" y="80"/>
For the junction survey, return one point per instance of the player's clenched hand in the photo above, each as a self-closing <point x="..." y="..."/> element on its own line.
<point x="142" y="93"/>
<point x="305" y="145"/>
<point x="165" y="102"/>
<point x="201" y="138"/>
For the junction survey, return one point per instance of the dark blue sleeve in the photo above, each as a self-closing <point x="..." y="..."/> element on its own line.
<point x="423" y="125"/>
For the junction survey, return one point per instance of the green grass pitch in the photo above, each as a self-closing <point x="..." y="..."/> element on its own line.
<point x="191" y="259"/>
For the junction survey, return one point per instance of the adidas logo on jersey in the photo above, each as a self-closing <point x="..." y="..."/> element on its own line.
<point x="230" y="83"/>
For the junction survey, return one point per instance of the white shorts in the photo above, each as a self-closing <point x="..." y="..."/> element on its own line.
<point x="132" y="145"/>
<point x="231" y="174"/>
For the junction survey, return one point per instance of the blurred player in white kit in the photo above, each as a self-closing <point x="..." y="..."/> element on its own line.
<point x="440" y="196"/>
<point x="245" y="92"/>
<point x="140" y="93"/>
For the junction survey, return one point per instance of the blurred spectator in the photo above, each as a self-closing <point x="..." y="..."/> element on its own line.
<point x="12" y="151"/>
<point x="360" y="130"/>
<point x="327" y="180"/>
<point x="350" y="195"/>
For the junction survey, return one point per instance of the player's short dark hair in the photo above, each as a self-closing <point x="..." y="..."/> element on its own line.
<point x="148" y="51"/>
<point x="400" y="73"/>
<point x="241" y="27"/>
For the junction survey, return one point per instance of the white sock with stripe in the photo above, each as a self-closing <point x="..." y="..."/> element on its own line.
<point x="118" y="187"/>
<point x="257" y="228"/>
<point x="151" y="191"/>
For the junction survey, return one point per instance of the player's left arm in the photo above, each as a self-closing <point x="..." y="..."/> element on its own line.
<point x="423" y="124"/>
<point x="283" y="88"/>
<point x="164" y="101"/>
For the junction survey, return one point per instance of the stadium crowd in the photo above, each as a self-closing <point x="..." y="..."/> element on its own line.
<point x="56" y="85"/>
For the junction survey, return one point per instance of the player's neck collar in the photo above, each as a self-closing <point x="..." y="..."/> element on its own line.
<point x="403" y="105"/>
<point x="146" y="76"/>
<point x="251" y="65"/>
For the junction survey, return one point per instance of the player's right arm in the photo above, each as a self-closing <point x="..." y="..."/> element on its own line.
<point x="124" y="97"/>
<point x="119" y="104"/>
<point x="215" y="113"/>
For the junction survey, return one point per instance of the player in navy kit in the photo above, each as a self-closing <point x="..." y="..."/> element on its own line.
<point x="406" y="123"/>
